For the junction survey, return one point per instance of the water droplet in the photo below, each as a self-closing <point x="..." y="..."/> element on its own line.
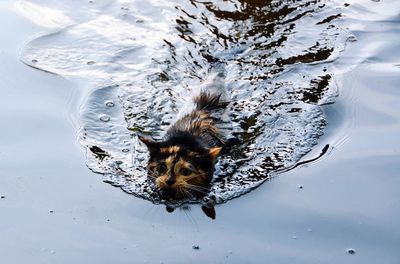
<point x="196" y="247"/>
<point x="351" y="251"/>
<point x="90" y="62"/>
<point x="294" y="237"/>
<point x="352" y="39"/>
<point x="118" y="162"/>
<point x="109" y="103"/>
<point x="34" y="61"/>
<point x="125" y="150"/>
<point x="104" y="118"/>
<point x="139" y="20"/>
<point x="309" y="230"/>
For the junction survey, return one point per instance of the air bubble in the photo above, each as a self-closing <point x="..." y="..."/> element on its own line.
<point x="352" y="39"/>
<point x="104" y="118"/>
<point x="90" y="62"/>
<point x="196" y="247"/>
<point x="125" y="150"/>
<point x="109" y="103"/>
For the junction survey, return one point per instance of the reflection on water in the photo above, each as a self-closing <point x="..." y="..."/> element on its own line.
<point x="149" y="55"/>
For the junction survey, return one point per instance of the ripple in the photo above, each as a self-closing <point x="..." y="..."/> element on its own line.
<point x="275" y="57"/>
<point x="109" y="103"/>
<point x="104" y="118"/>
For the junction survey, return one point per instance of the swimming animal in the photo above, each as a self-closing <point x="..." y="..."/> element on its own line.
<point x="183" y="163"/>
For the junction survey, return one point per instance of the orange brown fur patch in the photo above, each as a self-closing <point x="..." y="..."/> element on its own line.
<point x="170" y="150"/>
<point x="169" y="161"/>
<point x="182" y="184"/>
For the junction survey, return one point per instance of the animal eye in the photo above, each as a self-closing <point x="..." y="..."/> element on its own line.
<point x="185" y="172"/>
<point x="161" y="168"/>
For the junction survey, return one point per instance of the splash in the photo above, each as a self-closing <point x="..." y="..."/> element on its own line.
<point x="145" y="58"/>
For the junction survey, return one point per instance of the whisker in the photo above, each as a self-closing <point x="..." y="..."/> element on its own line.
<point x="185" y="192"/>
<point x="197" y="175"/>
<point x="152" y="175"/>
<point x="186" y="184"/>
<point x="196" y="186"/>
<point x="186" y="188"/>
<point x="196" y="189"/>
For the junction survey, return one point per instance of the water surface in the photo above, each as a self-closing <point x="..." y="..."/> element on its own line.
<point x="349" y="197"/>
<point x="144" y="67"/>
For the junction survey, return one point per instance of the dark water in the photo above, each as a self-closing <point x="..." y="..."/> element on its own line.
<point x="151" y="56"/>
<point x="315" y="213"/>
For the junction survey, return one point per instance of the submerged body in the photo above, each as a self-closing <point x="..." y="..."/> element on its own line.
<point x="184" y="162"/>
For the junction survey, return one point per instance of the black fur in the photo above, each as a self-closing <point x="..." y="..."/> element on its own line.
<point x="208" y="102"/>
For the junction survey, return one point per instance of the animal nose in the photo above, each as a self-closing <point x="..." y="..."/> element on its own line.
<point x="170" y="181"/>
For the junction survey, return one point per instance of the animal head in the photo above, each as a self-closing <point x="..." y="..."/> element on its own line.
<point x="181" y="169"/>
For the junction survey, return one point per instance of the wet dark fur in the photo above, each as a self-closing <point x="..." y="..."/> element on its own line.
<point x="183" y="163"/>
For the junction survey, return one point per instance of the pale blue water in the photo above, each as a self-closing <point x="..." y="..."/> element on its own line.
<point x="349" y="197"/>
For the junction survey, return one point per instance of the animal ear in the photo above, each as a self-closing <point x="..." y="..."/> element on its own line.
<point x="209" y="211"/>
<point x="151" y="144"/>
<point x="214" y="152"/>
